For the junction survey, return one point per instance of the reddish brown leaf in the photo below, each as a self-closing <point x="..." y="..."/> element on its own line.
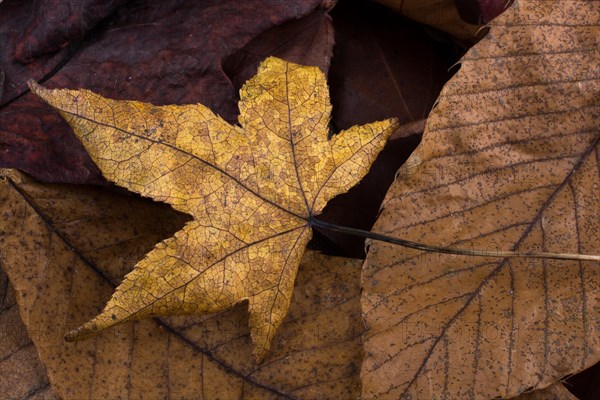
<point x="383" y="66"/>
<point x="56" y="24"/>
<point x="160" y="52"/>
<point x="307" y="41"/>
<point x="509" y="160"/>
<point x="478" y="11"/>
<point x="38" y="37"/>
<point x="586" y="384"/>
<point x="490" y="9"/>
<point x="440" y="14"/>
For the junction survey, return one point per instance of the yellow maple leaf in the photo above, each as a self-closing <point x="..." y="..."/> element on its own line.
<point x="253" y="191"/>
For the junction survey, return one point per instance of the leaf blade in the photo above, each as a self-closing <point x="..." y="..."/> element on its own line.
<point x="507" y="162"/>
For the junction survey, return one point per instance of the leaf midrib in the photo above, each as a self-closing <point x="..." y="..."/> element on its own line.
<point x="241" y="248"/>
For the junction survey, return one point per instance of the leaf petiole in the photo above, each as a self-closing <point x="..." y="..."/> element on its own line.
<point x="447" y="250"/>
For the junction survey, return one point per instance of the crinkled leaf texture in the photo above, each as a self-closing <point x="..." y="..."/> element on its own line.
<point x="252" y="191"/>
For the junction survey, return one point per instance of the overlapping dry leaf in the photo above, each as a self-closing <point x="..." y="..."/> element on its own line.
<point x="64" y="248"/>
<point x="252" y="191"/>
<point x="22" y="375"/>
<point x="308" y="41"/>
<point x="509" y="161"/>
<point x="383" y="66"/>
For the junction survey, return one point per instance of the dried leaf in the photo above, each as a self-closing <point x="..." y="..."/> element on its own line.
<point x="586" y="384"/>
<point x="168" y="52"/>
<point x="22" y="375"/>
<point x="490" y="9"/>
<point x="307" y="40"/>
<point x="252" y="190"/>
<point x="37" y="38"/>
<point x="81" y="240"/>
<point x="384" y="66"/>
<point x="509" y="160"/>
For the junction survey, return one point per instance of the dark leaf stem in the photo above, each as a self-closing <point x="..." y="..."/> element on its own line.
<point x="447" y="250"/>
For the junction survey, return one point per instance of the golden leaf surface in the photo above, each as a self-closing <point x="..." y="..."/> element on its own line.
<point x="252" y="191"/>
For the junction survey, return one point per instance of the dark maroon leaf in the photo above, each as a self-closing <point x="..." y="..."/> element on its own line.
<point x="481" y="11"/>
<point x="586" y="384"/>
<point x="56" y="24"/>
<point x="37" y="37"/>
<point x="161" y="52"/>
<point x="383" y="66"/>
<point x="35" y="139"/>
<point x="308" y="41"/>
<point x="490" y="9"/>
<point x="469" y="11"/>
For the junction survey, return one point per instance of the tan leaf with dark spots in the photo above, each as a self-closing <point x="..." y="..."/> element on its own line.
<point x="509" y="161"/>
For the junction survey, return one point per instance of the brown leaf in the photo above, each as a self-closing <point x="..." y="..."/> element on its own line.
<point x="509" y="161"/>
<point x="165" y="52"/>
<point x="22" y="375"/>
<point x="64" y="248"/>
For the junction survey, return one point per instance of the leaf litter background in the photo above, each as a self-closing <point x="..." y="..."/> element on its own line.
<point x="178" y="52"/>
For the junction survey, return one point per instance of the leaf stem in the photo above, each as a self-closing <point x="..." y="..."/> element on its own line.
<point x="447" y="250"/>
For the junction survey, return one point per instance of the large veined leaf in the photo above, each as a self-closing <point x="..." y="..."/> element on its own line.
<point x="509" y="160"/>
<point x="253" y="191"/>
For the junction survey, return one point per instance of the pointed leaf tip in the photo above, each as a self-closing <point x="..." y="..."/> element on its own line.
<point x="33" y="86"/>
<point x="83" y="332"/>
<point x="39" y="90"/>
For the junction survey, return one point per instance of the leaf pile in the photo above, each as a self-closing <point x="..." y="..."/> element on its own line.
<point x="36" y="140"/>
<point x="508" y="161"/>
<point x="162" y="52"/>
